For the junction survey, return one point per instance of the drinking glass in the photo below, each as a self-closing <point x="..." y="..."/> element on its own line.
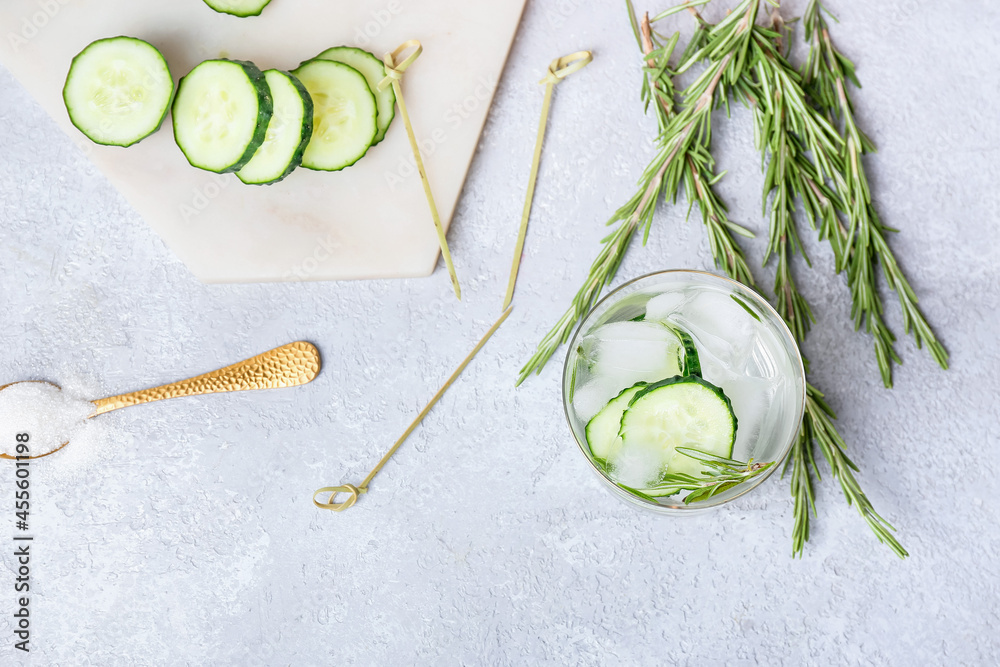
<point x="744" y="346"/>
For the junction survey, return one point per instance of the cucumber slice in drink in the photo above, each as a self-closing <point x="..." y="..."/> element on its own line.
<point x="221" y="114"/>
<point x="602" y="430"/>
<point x="288" y="132"/>
<point x="344" y="113"/>
<point x="374" y="71"/>
<point x="241" y="8"/>
<point x="617" y="355"/>
<point x="118" y="91"/>
<point x="679" y="412"/>
<point x="690" y="362"/>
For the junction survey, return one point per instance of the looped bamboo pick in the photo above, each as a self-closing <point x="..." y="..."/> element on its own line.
<point x="354" y="491"/>
<point x="559" y="69"/>
<point x="394" y="69"/>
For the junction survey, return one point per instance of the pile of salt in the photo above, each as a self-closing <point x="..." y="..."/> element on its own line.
<point x="49" y="416"/>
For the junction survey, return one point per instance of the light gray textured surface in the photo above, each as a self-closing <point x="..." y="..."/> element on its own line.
<point x="487" y="541"/>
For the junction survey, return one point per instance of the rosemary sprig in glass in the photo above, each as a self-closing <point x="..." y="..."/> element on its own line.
<point x="718" y="474"/>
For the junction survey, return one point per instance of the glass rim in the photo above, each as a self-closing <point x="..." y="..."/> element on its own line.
<point x="714" y="501"/>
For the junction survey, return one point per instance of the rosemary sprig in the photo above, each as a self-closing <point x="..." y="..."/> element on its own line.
<point x="776" y="102"/>
<point x="698" y="182"/>
<point x="718" y="475"/>
<point x="864" y="242"/>
<point x="699" y="176"/>
<point x="817" y="426"/>
<point x="724" y="47"/>
<point x="786" y="128"/>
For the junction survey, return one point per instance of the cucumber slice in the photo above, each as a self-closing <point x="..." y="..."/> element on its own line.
<point x="602" y="430"/>
<point x="118" y="91"/>
<point x="221" y="114"/>
<point x="344" y="113"/>
<point x="241" y="8"/>
<point x="679" y="412"/>
<point x="374" y="71"/>
<point x="690" y="362"/>
<point x="288" y="132"/>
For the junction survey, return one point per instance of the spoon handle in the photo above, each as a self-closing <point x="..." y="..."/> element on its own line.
<point x="286" y="366"/>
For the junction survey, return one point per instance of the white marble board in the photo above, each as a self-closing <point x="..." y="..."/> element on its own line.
<point x="368" y="221"/>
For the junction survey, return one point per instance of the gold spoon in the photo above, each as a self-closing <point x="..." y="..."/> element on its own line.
<point x="286" y="366"/>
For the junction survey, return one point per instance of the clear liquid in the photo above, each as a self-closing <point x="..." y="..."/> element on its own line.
<point x="746" y="356"/>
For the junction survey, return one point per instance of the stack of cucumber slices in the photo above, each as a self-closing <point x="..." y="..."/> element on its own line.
<point x="639" y="436"/>
<point x="228" y="115"/>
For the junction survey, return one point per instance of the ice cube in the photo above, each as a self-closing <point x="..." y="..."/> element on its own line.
<point x="661" y="306"/>
<point x="751" y="399"/>
<point x="712" y="368"/>
<point x="761" y="362"/>
<point x="719" y="324"/>
<point x="779" y="424"/>
<point x="631" y="331"/>
<point x="637" y="465"/>
<point x="768" y="358"/>
<point x="624" y="353"/>
<point x="589" y="399"/>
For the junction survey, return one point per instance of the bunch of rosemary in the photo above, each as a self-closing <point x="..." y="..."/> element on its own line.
<point x="806" y="130"/>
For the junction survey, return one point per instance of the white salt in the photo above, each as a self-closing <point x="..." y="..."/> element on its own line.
<point x="90" y="455"/>
<point x="49" y="416"/>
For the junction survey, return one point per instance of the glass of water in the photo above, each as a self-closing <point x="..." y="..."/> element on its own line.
<point x="676" y="369"/>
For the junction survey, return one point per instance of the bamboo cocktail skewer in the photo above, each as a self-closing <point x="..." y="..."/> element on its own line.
<point x="354" y="491"/>
<point x="394" y="69"/>
<point x="559" y="69"/>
